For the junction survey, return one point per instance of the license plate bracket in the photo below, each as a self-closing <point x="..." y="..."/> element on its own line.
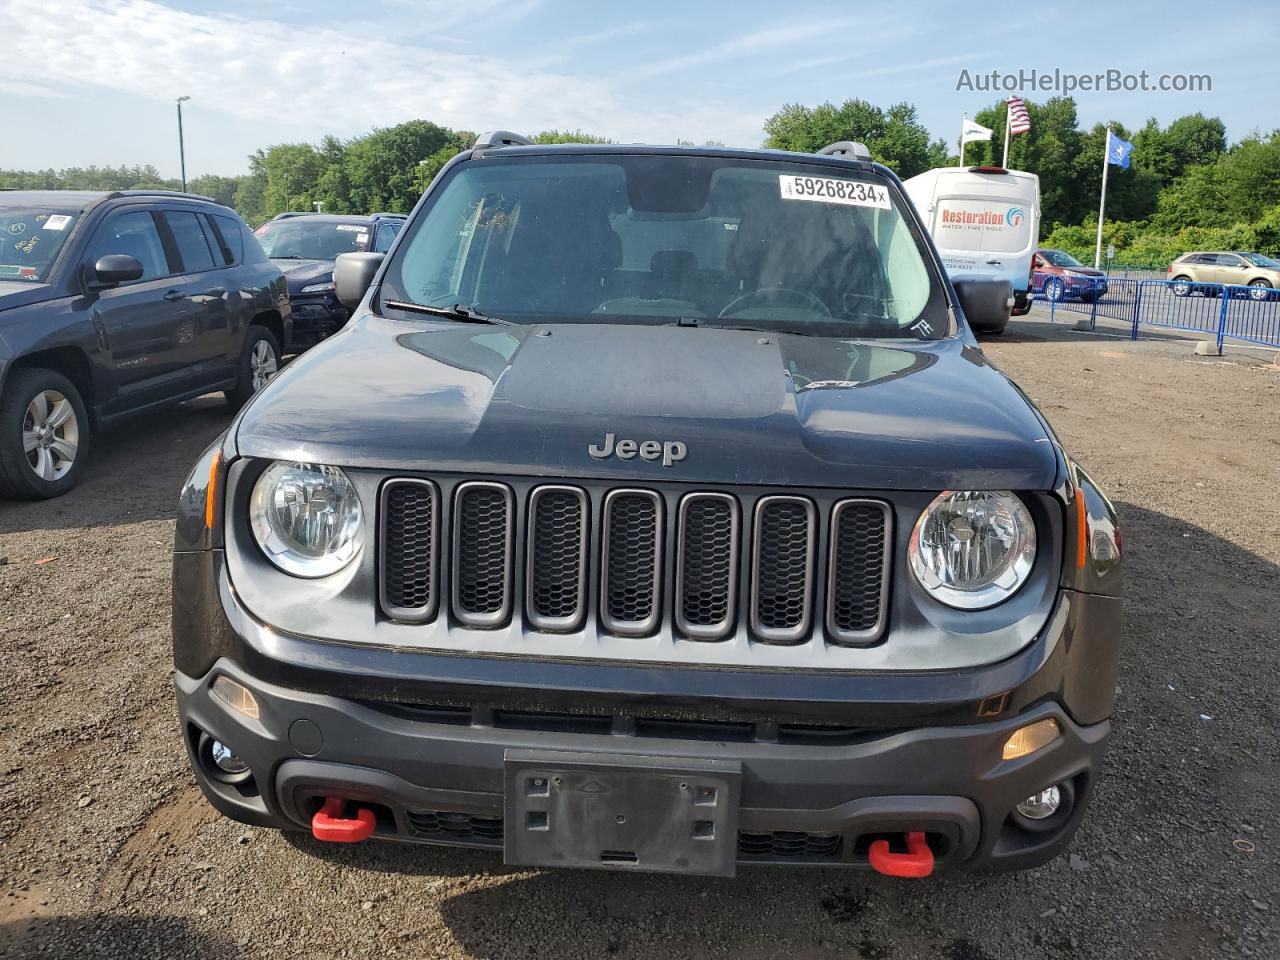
<point x="621" y="812"/>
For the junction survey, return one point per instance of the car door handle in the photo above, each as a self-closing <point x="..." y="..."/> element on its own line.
<point x="994" y="263"/>
<point x="175" y="295"/>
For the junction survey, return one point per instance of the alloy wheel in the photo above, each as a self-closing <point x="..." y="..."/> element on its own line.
<point x="1259" y="291"/>
<point x="262" y="364"/>
<point x="50" y="435"/>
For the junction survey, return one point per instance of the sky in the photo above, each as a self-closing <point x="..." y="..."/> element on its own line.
<point x="86" y="82"/>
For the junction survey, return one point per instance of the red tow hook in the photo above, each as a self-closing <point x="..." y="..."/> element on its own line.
<point x="330" y="825"/>
<point x="916" y="862"/>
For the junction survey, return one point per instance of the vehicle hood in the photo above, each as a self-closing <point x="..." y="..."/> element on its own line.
<point x="749" y="408"/>
<point x="19" y="293"/>
<point x="303" y="273"/>
<point x="1085" y="271"/>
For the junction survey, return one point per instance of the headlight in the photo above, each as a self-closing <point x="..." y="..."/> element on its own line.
<point x="318" y="288"/>
<point x="306" y="517"/>
<point x="973" y="548"/>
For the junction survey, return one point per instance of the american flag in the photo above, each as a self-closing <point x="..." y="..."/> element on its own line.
<point x="1019" y="119"/>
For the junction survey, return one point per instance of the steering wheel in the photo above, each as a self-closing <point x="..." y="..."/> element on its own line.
<point x="773" y="294"/>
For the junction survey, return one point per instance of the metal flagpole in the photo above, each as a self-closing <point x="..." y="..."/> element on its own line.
<point x="964" y="118"/>
<point x="1007" y="126"/>
<point x="1102" y="203"/>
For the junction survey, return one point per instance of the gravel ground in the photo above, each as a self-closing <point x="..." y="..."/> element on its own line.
<point x="107" y="848"/>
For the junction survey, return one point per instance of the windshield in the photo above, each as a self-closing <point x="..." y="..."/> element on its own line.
<point x="1258" y="260"/>
<point x="1060" y="259"/>
<point x="30" y="238"/>
<point x="301" y="239"/>
<point x="705" y="241"/>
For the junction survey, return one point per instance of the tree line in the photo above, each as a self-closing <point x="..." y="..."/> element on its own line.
<point x="1187" y="188"/>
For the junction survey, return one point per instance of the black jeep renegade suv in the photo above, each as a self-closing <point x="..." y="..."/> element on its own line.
<point x="656" y="510"/>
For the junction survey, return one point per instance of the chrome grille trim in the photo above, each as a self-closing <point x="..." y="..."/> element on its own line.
<point x="391" y="554"/>
<point x="880" y="579"/>
<point x="718" y="629"/>
<point x="457" y="576"/>
<point x="798" y="631"/>
<point x="542" y="621"/>
<point x="635" y="627"/>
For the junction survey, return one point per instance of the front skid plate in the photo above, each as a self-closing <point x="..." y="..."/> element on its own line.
<point x="621" y="812"/>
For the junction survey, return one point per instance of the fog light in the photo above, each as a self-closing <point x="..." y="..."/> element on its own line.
<point x="228" y="762"/>
<point x="235" y="696"/>
<point x="1040" y="805"/>
<point x="1031" y="738"/>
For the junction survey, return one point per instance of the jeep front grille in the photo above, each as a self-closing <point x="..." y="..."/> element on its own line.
<point x="556" y="563"/>
<point x="680" y="564"/>
<point x="482" y="537"/>
<point x="782" y="559"/>
<point x="631" y="578"/>
<point x="410" y="517"/>
<point x="707" y="565"/>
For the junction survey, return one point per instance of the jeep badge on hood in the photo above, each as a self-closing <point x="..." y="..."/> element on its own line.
<point x="670" y="451"/>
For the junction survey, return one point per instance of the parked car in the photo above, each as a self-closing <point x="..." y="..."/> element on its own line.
<point x="1261" y="274"/>
<point x="304" y="246"/>
<point x="656" y="510"/>
<point x="1057" y="275"/>
<point x="115" y="303"/>
<point x="986" y="223"/>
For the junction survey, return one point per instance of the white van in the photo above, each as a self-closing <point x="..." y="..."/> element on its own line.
<point x="985" y="222"/>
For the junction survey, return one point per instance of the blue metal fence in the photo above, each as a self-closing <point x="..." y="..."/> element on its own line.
<point x="1241" y="313"/>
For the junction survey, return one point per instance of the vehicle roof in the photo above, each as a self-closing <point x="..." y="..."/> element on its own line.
<point x="89" y="198"/>
<point x="648" y="149"/>
<point x="332" y="217"/>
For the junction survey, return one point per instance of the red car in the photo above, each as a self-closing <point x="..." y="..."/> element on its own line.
<point x="1059" y="276"/>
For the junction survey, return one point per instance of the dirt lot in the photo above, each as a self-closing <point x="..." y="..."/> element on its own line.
<point x="108" y="850"/>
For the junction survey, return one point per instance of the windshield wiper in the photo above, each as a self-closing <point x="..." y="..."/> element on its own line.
<point x="287" y="256"/>
<point x="709" y="323"/>
<point x="459" y="311"/>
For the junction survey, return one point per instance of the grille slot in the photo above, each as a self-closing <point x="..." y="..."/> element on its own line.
<point x="556" y="563"/>
<point x="631" y="568"/>
<point x="858" y="587"/>
<point x="410" y="535"/>
<point x="788" y="845"/>
<point x="483" y="528"/>
<point x="455" y="827"/>
<point x="707" y="565"/>
<point x="782" y="559"/>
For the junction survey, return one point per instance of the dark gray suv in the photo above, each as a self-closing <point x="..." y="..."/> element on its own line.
<point x="114" y="303"/>
<point x="655" y="510"/>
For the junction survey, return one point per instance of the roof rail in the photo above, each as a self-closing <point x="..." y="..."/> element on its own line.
<point x="394" y="216"/>
<point x="846" y="148"/>
<point x="501" y="138"/>
<point x="176" y="194"/>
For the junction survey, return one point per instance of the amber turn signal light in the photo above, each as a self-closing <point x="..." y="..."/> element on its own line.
<point x="211" y="491"/>
<point x="1031" y="738"/>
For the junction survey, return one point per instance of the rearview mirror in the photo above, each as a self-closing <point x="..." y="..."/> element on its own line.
<point x="352" y="274"/>
<point x="985" y="302"/>
<point x="113" y="269"/>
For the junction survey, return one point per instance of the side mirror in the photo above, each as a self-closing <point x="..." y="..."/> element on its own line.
<point x="352" y="274"/>
<point x="113" y="269"/>
<point x="985" y="302"/>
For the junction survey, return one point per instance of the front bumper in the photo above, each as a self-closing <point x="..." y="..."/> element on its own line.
<point x="430" y="748"/>
<point x="315" y="318"/>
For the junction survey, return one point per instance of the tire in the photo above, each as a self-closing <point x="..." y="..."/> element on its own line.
<point x="44" y="435"/>
<point x="259" y="362"/>
<point x="1259" y="290"/>
<point x="1180" y="286"/>
<point x="1053" y="290"/>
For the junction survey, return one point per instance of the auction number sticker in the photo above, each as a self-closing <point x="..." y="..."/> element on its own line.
<point x="854" y="193"/>
<point x="58" y="221"/>
<point x="351" y="228"/>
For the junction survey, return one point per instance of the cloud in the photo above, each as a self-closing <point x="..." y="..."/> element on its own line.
<point x="21" y="88"/>
<point x="320" y="80"/>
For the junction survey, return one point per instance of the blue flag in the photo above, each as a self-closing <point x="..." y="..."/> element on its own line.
<point x="1118" y="150"/>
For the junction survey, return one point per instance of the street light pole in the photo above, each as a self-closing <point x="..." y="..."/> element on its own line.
<point x="182" y="150"/>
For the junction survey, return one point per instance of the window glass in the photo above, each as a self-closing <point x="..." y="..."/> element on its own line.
<point x="792" y="247"/>
<point x="133" y="234"/>
<point x="30" y="238"/>
<point x="386" y="233"/>
<point x="189" y="236"/>
<point x="307" y="238"/>
<point x="232" y="236"/>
